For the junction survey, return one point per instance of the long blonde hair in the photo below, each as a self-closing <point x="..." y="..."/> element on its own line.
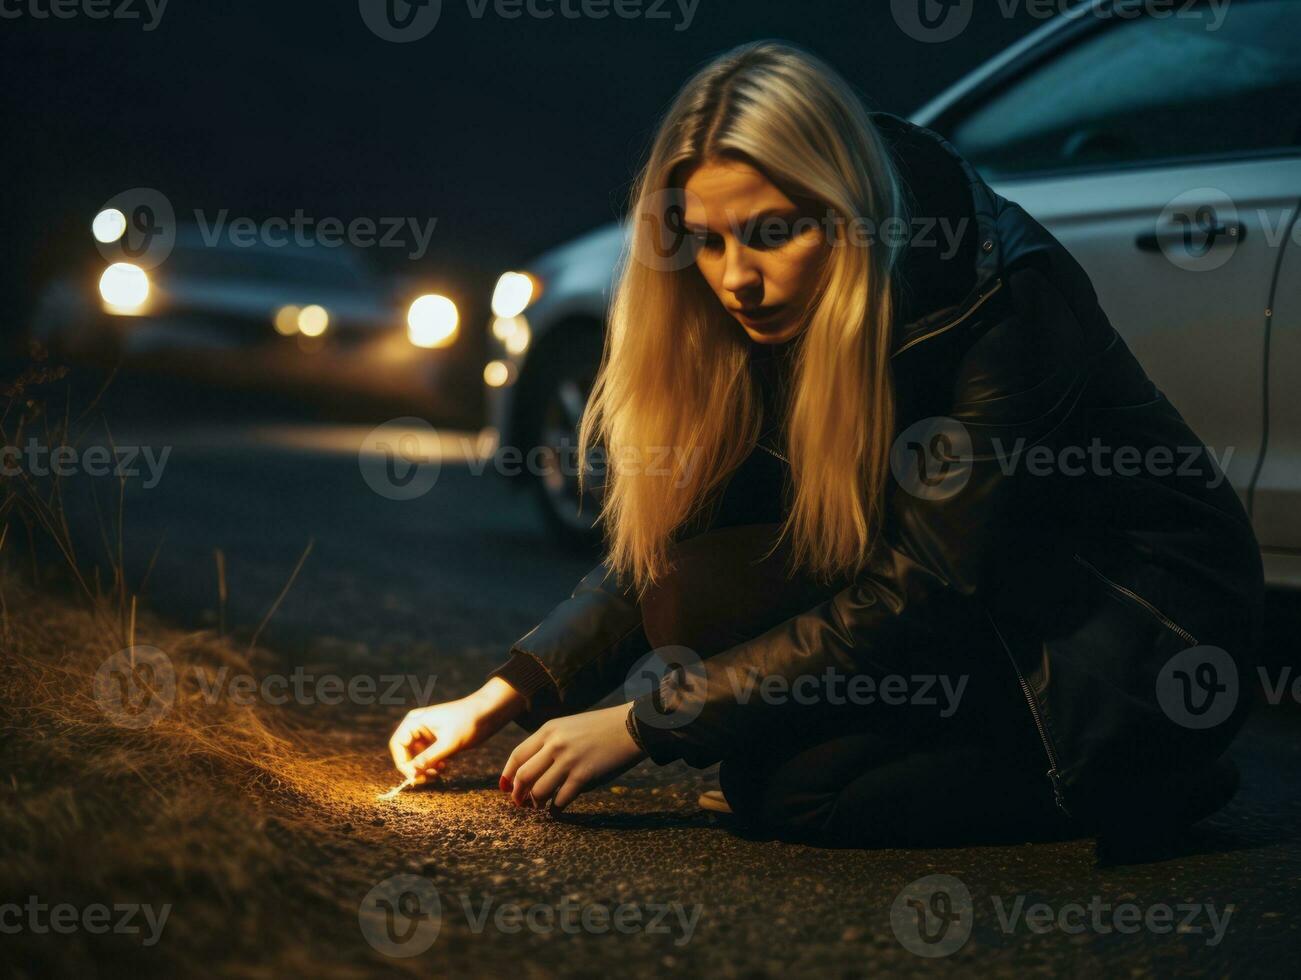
<point x="673" y="406"/>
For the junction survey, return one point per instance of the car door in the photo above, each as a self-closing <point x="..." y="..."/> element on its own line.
<point x="1276" y="496"/>
<point x="1163" y="151"/>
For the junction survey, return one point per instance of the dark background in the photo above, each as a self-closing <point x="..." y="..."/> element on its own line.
<point x="515" y="134"/>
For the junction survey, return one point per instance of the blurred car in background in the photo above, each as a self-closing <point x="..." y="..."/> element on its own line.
<point x="1111" y="125"/>
<point x="285" y="318"/>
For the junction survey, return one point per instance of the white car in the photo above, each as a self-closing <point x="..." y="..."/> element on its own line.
<point x="1162" y="149"/>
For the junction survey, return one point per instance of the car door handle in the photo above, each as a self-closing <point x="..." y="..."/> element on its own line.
<point x="1196" y="238"/>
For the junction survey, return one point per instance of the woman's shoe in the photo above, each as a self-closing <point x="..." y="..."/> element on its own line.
<point x="714" y="801"/>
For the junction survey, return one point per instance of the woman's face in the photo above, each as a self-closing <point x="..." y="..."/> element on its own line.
<point x="760" y="251"/>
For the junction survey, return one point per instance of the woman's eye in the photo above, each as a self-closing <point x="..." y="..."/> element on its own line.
<point x="770" y="238"/>
<point x="706" y="242"/>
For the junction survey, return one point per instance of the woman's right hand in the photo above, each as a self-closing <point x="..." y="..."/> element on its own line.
<point x="428" y="736"/>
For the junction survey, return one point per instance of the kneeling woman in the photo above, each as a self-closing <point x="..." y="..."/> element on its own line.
<point x="902" y="588"/>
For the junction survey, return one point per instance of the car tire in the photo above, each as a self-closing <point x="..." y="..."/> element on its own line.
<point x="561" y="390"/>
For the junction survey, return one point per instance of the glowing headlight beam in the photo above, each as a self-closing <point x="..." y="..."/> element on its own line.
<point x="124" y="287"/>
<point x="313" y="320"/>
<point x="109" y="225"/>
<point x="286" y="320"/>
<point x="432" y="321"/>
<point x="513" y="293"/>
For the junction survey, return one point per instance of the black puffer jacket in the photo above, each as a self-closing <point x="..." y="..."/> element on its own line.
<point x="1017" y="504"/>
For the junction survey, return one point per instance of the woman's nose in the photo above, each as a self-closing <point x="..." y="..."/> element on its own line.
<point x="740" y="276"/>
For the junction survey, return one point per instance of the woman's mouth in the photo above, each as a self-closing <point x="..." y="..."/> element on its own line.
<point x="759" y="314"/>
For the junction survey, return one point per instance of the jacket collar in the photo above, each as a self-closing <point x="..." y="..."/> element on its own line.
<point x="939" y="281"/>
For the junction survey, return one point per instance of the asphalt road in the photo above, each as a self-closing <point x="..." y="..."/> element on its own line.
<point x="455" y="574"/>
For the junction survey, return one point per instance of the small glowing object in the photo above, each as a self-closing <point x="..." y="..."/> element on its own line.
<point x="518" y="342"/>
<point x="109" y="225"/>
<point x="432" y="321"/>
<point x="393" y="793"/>
<point x="495" y="374"/>
<point x="313" y="320"/>
<point x="286" y="320"/>
<point x="124" y="287"/>
<point x="503" y="327"/>
<point x="513" y="332"/>
<point x="513" y="293"/>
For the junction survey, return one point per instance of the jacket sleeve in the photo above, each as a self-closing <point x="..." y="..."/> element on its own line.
<point x="580" y="652"/>
<point x="944" y="542"/>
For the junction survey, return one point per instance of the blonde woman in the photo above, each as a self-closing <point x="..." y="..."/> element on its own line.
<point x="891" y="577"/>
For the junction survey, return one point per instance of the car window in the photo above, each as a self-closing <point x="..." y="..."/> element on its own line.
<point x="1147" y="90"/>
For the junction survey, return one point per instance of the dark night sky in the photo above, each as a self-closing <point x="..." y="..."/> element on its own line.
<point x="514" y="134"/>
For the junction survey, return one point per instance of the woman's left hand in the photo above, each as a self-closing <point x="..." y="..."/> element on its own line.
<point x="569" y="755"/>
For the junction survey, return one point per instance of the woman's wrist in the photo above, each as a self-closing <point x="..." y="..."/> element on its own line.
<point x="630" y="723"/>
<point x="498" y="702"/>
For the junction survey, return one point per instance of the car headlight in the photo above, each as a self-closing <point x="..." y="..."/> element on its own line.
<point x="124" y="288"/>
<point x="432" y="321"/>
<point x="286" y="320"/>
<point x="513" y="332"/>
<point x="513" y="294"/>
<point x="109" y="226"/>
<point x="313" y="320"/>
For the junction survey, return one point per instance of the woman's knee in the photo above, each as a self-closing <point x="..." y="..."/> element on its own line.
<point x="785" y="804"/>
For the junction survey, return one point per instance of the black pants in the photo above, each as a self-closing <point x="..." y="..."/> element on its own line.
<point x="862" y="774"/>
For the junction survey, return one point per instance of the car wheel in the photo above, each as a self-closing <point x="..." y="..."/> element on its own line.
<point x="562" y="393"/>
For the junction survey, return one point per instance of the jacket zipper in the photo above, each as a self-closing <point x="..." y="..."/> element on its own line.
<point x="955" y="322"/>
<point x="1142" y="603"/>
<point x="1054" y="767"/>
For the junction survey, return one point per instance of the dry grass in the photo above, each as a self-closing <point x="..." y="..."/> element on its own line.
<point x="242" y="819"/>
